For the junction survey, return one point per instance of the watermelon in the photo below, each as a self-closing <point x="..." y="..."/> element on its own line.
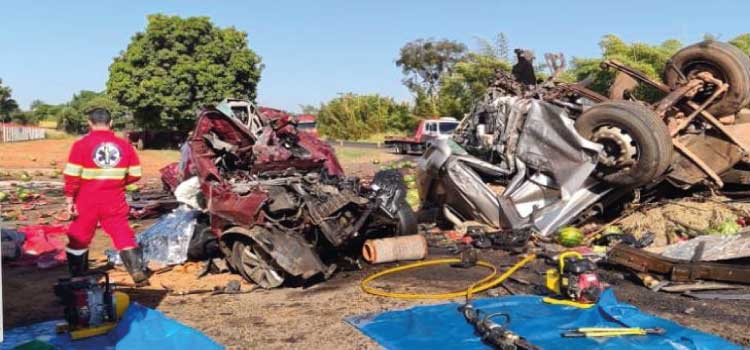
<point x="3" y="196"/>
<point x="726" y="227"/>
<point x="412" y="197"/>
<point x="25" y="177"/>
<point x="410" y="180"/>
<point x="570" y="236"/>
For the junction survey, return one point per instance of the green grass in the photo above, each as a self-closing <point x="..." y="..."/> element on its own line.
<point x="353" y="154"/>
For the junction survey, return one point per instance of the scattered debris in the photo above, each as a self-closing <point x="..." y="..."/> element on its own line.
<point x="718" y="296"/>
<point x="677" y="270"/>
<point x="688" y="287"/>
<point x="716" y="248"/>
<point x="167" y="241"/>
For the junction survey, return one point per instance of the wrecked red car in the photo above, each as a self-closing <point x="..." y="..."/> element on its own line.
<point x="278" y="199"/>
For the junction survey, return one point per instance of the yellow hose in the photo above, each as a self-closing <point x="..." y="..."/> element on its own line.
<point x="485" y="283"/>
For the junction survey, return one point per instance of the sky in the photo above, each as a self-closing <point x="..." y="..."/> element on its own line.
<point x="315" y="50"/>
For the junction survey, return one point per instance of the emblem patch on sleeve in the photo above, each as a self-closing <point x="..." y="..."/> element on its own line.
<point x="107" y="155"/>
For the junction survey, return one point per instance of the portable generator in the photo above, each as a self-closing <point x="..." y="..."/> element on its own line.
<point x="91" y="306"/>
<point x="575" y="281"/>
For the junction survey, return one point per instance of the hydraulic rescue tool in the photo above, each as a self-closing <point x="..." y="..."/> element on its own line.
<point x="495" y="334"/>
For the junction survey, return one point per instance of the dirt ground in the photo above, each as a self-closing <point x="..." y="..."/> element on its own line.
<point x="312" y="317"/>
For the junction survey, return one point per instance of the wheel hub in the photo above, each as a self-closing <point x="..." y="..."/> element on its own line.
<point x="619" y="147"/>
<point x="255" y="267"/>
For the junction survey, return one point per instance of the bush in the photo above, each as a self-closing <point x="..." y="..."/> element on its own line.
<point x="353" y="117"/>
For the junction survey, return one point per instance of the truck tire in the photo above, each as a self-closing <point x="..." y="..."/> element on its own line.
<point x="637" y="144"/>
<point x="726" y="62"/>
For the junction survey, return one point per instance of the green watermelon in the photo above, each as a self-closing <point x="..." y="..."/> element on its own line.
<point x="3" y="196"/>
<point x="726" y="227"/>
<point x="570" y="236"/>
<point x="25" y="177"/>
<point x="410" y="180"/>
<point x="412" y="197"/>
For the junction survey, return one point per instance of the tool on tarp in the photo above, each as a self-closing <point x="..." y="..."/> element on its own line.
<point x="91" y="306"/>
<point x="575" y="281"/>
<point x="611" y="332"/>
<point x="495" y="334"/>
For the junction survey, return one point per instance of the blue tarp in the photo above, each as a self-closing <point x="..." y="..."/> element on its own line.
<point x="441" y="326"/>
<point x="140" y="328"/>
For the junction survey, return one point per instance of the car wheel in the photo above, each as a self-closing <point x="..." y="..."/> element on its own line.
<point x="725" y="62"/>
<point x="255" y="265"/>
<point x="637" y="144"/>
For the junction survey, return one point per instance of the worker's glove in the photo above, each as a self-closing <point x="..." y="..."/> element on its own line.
<point x="71" y="206"/>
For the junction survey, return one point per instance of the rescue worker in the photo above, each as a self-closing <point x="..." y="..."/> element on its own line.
<point x="99" y="167"/>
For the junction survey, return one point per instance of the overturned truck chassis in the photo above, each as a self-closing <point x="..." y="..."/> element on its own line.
<point x="560" y="152"/>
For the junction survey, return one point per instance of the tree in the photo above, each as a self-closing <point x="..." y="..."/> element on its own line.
<point x="424" y="61"/>
<point x="7" y="104"/>
<point x="467" y="83"/>
<point x="45" y="111"/>
<point x="742" y="41"/>
<point x="649" y="59"/>
<point x="309" y="109"/>
<point x="178" y="65"/>
<point x="350" y="116"/>
<point x="72" y="115"/>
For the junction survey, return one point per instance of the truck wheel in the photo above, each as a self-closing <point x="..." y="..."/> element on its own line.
<point x="725" y="62"/>
<point x="255" y="265"/>
<point x="637" y="145"/>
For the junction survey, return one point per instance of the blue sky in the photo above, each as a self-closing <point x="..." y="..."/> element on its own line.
<point x="314" y="50"/>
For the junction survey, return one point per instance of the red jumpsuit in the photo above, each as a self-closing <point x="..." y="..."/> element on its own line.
<point x="99" y="167"/>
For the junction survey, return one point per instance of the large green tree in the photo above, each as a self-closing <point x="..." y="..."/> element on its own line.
<point x="179" y="64"/>
<point x="350" y="116"/>
<point x="424" y="61"/>
<point x="446" y="78"/>
<point x="8" y="105"/>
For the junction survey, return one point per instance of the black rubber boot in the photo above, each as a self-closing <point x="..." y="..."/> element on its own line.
<point x="78" y="264"/>
<point x="133" y="261"/>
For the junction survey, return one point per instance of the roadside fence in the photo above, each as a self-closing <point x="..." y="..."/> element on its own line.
<point x="15" y="133"/>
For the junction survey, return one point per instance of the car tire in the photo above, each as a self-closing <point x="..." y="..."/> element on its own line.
<point x="649" y="143"/>
<point x="725" y="61"/>
<point x="255" y="265"/>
